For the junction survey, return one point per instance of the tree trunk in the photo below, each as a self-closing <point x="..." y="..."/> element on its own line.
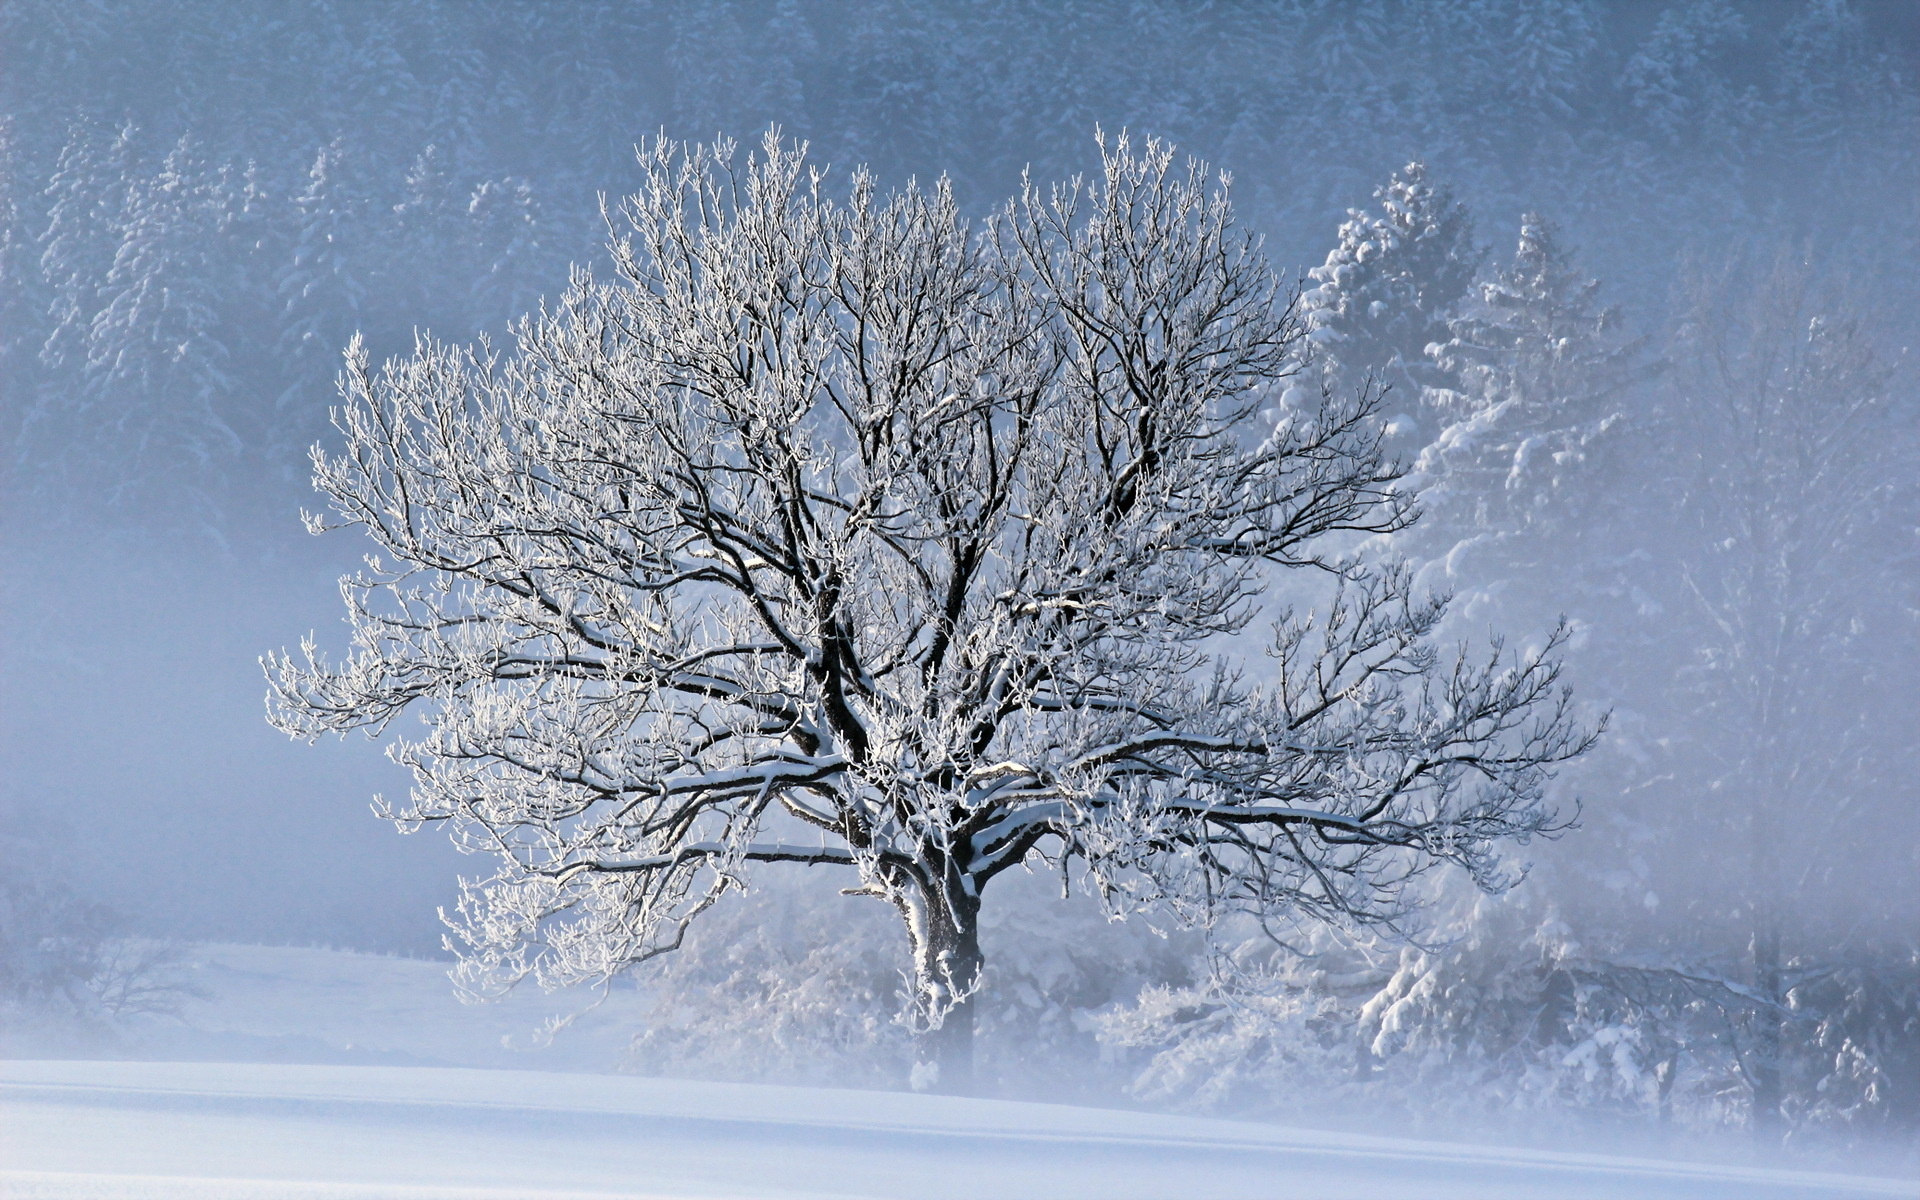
<point x="1768" y="1091"/>
<point x="947" y="963"/>
<point x="1664" y="1075"/>
<point x="943" y="1057"/>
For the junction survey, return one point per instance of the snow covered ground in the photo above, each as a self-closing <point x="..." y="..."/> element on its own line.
<point x="120" y="1130"/>
<point x="368" y="1080"/>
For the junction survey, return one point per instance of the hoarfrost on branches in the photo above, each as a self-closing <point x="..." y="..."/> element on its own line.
<point x="846" y="532"/>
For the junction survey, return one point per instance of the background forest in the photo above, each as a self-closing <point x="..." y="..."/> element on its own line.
<point x="1645" y="300"/>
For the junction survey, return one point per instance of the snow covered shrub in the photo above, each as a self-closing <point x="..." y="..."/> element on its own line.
<point x="1057" y="965"/>
<point x="1214" y="1048"/>
<point x="1498" y="1010"/>
<point x="67" y="965"/>
<point x="1860" y="1066"/>
<point x="1505" y="1014"/>
<point x="781" y="984"/>
<point x="787" y="983"/>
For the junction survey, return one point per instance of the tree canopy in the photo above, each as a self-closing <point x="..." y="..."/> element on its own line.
<point x="845" y="532"/>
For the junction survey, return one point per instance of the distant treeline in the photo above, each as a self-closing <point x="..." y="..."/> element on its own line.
<point x="203" y="200"/>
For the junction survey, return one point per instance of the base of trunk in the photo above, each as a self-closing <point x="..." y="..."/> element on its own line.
<point x="943" y="1057"/>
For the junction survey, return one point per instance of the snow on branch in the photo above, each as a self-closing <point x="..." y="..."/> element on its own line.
<point x="848" y="518"/>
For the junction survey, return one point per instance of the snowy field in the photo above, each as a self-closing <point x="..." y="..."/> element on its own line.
<point x="368" y="1080"/>
<point x="212" y="1131"/>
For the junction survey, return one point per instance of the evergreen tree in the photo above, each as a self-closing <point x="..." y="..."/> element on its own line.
<point x="1346" y="81"/>
<point x="426" y="233"/>
<point x="504" y="224"/>
<point x="1826" y="67"/>
<point x="1387" y="289"/>
<point x="1537" y="366"/>
<point x="320" y="287"/>
<point x="156" y="368"/>
<point x="454" y="116"/>
<point x="713" y="77"/>
<point x="87" y="198"/>
<point x="1680" y="78"/>
<point x="22" y="299"/>
<point x="790" y="46"/>
<point x="898" y="112"/>
<point x="1552" y="44"/>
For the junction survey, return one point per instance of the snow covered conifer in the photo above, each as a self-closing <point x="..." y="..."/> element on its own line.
<point x="87" y="198"/>
<point x="842" y="532"/>
<point x="320" y="287"/>
<point x="1388" y="286"/>
<point x="23" y="302"/>
<point x="155" y="365"/>
<point x="1538" y="365"/>
<point x="504" y="224"/>
<point x="1551" y="44"/>
<point x="1678" y="76"/>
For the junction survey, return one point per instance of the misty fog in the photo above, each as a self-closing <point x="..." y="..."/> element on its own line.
<point x="1646" y="319"/>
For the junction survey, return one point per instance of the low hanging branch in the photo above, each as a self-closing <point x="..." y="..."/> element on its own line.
<point x="844" y="532"/>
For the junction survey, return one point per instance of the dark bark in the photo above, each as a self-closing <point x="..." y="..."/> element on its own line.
<point x="948" y="963"/>
<point x="1769" y="1042"/>
<point x="945" y="1054"/>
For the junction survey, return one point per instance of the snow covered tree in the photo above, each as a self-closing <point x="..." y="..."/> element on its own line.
<point x="155" y="364"/>
<point x="1548" y="49"/>
<point x="23" y="302"/>
<point x="897" y="109"/>
<point x="135" y="366"/>
<point x="1796" y="453"/>
<point x="68" y="968"/>
<point x="503" y="226"/>
<point x="320" y="287"/>
<point x="841" y="532"/>
<point x="1388" y="286"/>
<point x="1668" y="79"/>
<point x="1538" y="366"/>
<point x="88" y="194"/>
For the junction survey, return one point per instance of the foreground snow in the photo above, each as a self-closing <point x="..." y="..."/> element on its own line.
<point x="218" y="1131"/>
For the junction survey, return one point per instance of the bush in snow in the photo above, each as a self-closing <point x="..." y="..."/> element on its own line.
<point x="67" y="965"/>
<point x="784" y="984"/>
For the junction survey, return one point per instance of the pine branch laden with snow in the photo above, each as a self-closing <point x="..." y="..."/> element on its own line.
<point x="1540" y="383"/>
<point x="844" y="532"/>
<point x="1389" y="285"/>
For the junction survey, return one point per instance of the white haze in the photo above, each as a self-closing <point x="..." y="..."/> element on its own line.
<point x="203" y="201"/>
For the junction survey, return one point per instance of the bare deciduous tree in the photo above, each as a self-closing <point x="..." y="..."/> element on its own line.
<point x="844" y="532"/>
<point x="1795" y="438"/>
